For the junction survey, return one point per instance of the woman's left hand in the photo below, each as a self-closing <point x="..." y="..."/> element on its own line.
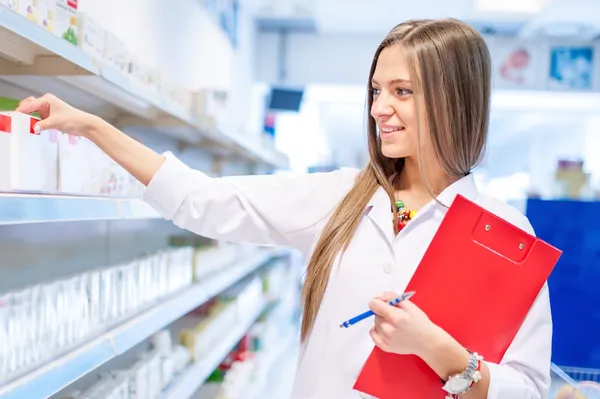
<point x="403" y="329"/>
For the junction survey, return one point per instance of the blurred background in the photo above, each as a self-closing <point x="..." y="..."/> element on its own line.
<point x="100" y="298"/>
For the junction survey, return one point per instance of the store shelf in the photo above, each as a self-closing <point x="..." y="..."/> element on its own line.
<point x="32" y="208"/>
<point x="39" y="61"/>
<point x="61" y="372"/>
<point x="192" y="378"/>
<point x="268" y="362"/>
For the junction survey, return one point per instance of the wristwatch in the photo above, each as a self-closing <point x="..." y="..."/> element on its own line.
<point x="461" y="383"/>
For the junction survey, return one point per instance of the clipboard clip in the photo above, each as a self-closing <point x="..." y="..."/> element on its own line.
<point x="502" y="238"/>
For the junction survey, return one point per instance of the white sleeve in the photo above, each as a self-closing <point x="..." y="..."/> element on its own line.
<point x="259" y="209"/>
<point x="524" y="371"/>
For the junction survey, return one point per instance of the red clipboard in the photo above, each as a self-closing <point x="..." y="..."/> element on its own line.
<point x="477" y="264"/>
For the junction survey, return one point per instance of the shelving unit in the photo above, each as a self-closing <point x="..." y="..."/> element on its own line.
<point x="40" y="62"/>
<point x="32" y="208"/>
<point x="59" y="373"/>
<point x="267" y="364"/>
<point x="34" y="61"/>
<point x="192" y="378"/>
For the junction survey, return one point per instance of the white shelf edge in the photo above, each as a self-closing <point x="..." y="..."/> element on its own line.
<point x="61" y="372"/>
<point x="136" y="100"/>
<point x="195" y="375"/>
<point x="33" y="208"/>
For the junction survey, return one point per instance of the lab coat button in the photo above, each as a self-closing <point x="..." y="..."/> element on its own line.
<point x="388" y="268"/>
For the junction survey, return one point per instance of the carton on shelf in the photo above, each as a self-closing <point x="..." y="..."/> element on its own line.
<point x="115" y="53"/>
<point x="46" y="9"/>
<point x="570" y="179"/>
<point x="92" y="37"/>
<point x="28" y="9"/>
<point x="12" y="4"/>
<point x="29" y="161"/>
<point x="66" y="20"/>
<point x="211" y="104"/>
<point x="74" y="167"/>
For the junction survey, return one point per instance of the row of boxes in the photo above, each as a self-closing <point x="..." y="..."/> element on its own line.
<point x="52" y="162"/>
<point x="63" y="18"/>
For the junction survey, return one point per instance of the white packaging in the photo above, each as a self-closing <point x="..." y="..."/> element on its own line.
<point x="46" y="10"/>
<point x="213" y="104"/>
<point x="28" y="9"/>
<point x="92" y="37"/>
<point x="115" y="53"/>
<point x="12" y="4"/>
<point x="212" y="260"/>
<point x="154" y="375"/>
<point x="65" y="20"/>
<point x="29" y="161"/>
<point x="74" y="168"/>
<point x="181" y="358"/>
<point x="138" y="381"/>
<point x="162" y="343"/>
<point x="167" y="370"/>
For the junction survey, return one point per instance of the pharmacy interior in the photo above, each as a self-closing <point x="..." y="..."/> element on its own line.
<point x="102" y="298"/>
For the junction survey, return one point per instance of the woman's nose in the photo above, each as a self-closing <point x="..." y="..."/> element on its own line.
<point x="381" y="107"/>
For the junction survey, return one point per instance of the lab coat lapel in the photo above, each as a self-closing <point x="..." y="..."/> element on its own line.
<point x="380" y="212"/>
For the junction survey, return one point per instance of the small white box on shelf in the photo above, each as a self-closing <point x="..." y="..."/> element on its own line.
<point x="178" y="96"/>
<point x="134" y="67"/>
<point x="73" y="165"/>
<point x="28" y="9"/>
<point x="211" y="103"/>
<point x="12" y="4"/>
<point x="92" y="37"/>
<point x="115" y="53"/>
<point x="29" y="161"/>
<point x="65" y="20"/>
<point x="46" y="10"/>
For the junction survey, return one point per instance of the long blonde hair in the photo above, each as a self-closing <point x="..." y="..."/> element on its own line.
<point x="450" y="65"/>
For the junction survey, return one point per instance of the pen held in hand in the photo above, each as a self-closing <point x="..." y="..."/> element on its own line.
<point x="369" y="313"/>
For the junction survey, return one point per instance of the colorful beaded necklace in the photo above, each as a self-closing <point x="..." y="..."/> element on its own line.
<point x="404" y="215"/>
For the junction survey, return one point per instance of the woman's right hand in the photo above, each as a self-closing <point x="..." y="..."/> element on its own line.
<point x="57" y="114"/>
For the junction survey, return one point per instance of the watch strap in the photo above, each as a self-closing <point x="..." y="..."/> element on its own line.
<point x="471" y="373"/>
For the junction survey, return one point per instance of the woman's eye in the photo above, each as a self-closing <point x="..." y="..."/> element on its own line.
<point x="403" y="92"/>
<point x="375" y="92"/>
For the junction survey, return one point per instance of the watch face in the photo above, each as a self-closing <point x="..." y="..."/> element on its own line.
<point x="458" y="385"/>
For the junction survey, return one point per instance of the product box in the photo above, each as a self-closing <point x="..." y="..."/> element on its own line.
<point x="74" y="167"/>
<point x="12" y="4"/>
<point x="66" y="20"/>
<point x="211" y="103"/>
<point x="45" y="14"/>
<point x="178" y="96"/>
<point x="92" y="37"/>
<point x="115" y="53"/>
<point x="28" y="9"/>
<point x="29" y="161"/>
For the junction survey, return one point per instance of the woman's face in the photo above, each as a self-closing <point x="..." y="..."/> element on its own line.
<point x="394" y="107"/>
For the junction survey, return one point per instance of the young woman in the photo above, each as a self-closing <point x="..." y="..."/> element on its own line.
<point x="429" y="96"/>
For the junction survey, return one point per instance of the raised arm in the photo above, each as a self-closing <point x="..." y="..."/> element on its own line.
<point x="137" y="159"/>
<point x="268" y="210"/>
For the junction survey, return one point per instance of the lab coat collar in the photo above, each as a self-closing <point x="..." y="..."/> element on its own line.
<point x="378" y="208"/>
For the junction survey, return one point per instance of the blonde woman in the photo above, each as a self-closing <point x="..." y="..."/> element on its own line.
<point x="364" y="231"/>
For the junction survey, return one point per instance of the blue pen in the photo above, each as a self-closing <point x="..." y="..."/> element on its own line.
<point x="369" y="313"/>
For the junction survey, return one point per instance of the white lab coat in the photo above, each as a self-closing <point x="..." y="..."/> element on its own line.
<point x="291" y="211"/>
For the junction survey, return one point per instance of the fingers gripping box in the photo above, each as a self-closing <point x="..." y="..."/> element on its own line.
<point x="29" y="161"/>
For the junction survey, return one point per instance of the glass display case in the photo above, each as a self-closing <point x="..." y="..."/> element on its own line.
<point x="574" y="383"/>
